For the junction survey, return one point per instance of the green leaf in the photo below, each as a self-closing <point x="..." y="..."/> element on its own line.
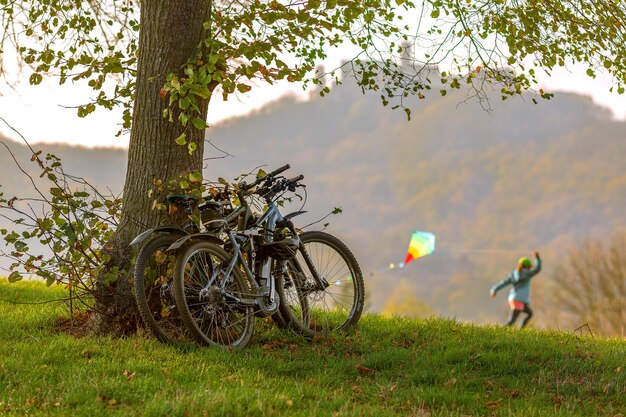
<point x="200" y="91"/>
<point x="20" y="246"/>
<point x="184" y="103"/>
<point x="183" y="118"/>
<point x="15" y="276"/>
<point x="35" y="79"/>
<point x="199" y="124"/>
<point x="50" y="280"/>
<point x="56" y="192"/>
<point x="181" y="140"/>
<point x="194" y="218"/>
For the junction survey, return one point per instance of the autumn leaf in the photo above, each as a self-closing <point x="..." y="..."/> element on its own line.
<point x="364" y="371"/>
<point x="514" y="393"/>
<point x="243" y="88"/>
<point x="450" y="382"/>
<point x="357" y="390"/>
<point x="494" y="404"/>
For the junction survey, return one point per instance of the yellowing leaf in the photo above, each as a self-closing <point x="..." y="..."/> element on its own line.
<point x="181" y="140"/>
<point x="195" y="176"/>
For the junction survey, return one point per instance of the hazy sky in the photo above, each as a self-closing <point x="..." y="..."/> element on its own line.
<point x="38" y="112"/>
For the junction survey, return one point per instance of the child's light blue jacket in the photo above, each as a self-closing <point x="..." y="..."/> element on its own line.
<point x="520" y="281"/>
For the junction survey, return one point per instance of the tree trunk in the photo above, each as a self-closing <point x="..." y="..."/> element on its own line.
<point x="169" y="35"/>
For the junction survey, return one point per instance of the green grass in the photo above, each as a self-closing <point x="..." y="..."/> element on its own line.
<point x="387" y="367"/>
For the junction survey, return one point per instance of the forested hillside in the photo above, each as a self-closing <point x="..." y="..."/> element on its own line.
<point x="492" y="185"/>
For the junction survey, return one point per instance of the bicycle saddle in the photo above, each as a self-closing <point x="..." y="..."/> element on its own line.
<point x="181" y="199"/>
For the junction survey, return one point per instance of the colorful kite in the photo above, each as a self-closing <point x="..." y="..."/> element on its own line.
<point x="421" y="244"/>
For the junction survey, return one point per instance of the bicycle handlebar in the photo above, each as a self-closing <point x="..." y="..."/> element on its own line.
<point x="296" y="179"/>
<point x="269" y="176"/>
<point x="279" y="170"/>
<point x="271" y="190"/>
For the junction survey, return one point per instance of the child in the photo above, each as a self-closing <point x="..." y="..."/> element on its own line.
<point x="519" y="294"/>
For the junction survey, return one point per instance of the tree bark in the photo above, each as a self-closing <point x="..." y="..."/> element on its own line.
<point x="169" y="35"/>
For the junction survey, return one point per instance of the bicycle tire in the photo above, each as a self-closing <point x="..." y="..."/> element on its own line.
<point x="331" y="309"/>
<point x="204" y="309"/>
<point x="289" y="296"/>
<point x="152" y="278"/>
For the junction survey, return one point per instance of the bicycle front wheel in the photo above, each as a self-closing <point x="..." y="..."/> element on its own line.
<point x="325" y="282"/>
<point x="210" y="302"/>
<point x="153" y="277"/>
<point x="293" y="302"/>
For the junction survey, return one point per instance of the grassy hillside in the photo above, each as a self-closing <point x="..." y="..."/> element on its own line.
<point x="387" y="367"/>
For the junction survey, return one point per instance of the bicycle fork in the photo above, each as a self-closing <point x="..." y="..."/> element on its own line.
<point x="321" y="283"/>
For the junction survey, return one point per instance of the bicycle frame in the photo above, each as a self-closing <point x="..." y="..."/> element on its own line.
<point x="269" y="219"/>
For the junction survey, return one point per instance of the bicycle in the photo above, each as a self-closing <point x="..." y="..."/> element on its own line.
<point x="217" y="293"/>
<point x="154" y="268"/>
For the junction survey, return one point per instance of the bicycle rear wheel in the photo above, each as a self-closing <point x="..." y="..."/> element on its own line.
<point x="208" y="300"/>
<point x="152" y="278"/>
<point x="335" y="303"/>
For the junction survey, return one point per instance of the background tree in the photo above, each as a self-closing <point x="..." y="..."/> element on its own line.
<point x="591" y="286"/>
<point x="163" y="61"/>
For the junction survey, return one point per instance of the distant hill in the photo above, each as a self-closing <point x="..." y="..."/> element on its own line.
<point x="104" y="167"/>
<point x="491" y="185"/>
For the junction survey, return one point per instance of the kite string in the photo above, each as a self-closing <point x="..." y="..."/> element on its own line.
<point x="446" y="248"/>
<point x="485" y="250"/>
<point x="482" y="250"/>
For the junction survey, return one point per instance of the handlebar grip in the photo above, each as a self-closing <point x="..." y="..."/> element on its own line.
<point x="296" y="179"/>
<point x="246" y="187"/>
<point x="279" y="170"/>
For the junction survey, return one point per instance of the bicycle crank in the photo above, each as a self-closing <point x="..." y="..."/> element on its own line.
<point x="263" y="301"/>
